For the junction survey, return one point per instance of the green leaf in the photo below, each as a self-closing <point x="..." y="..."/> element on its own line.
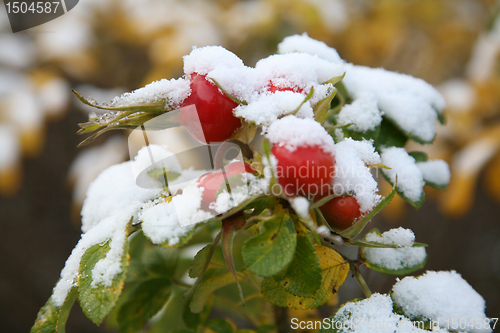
<point x="333" y="273"/>
<point x="97" y="301"/>
<point x="195" y="320"/>
<point x="303" y="276"/>
<point x="161" y="261"/>
<point x="441" y="117"/>
<point x="357" y="227"/>
<point x="368" y="135"/>
<point x="146" y="300"/>
<point x="158" y="106"/>
<point x="204" y="291"/>
<point x="272" y="250"/>
<point x="51" y="318"/>
<point x="322" y="107"/>
<point x="266" y="328"/>
<point x="219" y="325"/>
<point x="419" y="156"/>
<point x="202" y="256"/>
<point x="390" y="136"/>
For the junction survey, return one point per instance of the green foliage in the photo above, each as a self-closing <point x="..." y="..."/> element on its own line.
<point x="52" y="318"/>
<point x="146" y="300"/>
<point x="272" y="250"/>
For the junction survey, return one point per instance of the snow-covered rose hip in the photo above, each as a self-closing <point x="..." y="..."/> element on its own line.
<point x="304" y="152"/>
<point x="212" y="181"/>
<point x="341" y="212"/>
<point x="214" y="111"/>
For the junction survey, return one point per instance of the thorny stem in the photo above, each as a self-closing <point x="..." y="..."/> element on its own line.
<point x="281" y="319"/>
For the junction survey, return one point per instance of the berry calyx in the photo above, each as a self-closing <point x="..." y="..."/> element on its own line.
<point x="212" y="181"/>
<point x="214" y="110"/>
<point x="340" y="212"/>
<point x="306" y="171"/>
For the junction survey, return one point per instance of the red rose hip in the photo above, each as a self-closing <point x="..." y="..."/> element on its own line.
<point x="214" y="109"/>
<point x="341" y="212"/>
<point x="305" y="171"/>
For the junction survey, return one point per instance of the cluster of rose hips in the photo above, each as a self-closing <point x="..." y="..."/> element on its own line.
<point x="215" y="113"/>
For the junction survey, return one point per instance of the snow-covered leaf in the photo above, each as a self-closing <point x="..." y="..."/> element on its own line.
<point x="97" y="300"/>
<point x="51" y="318"/>
<point x="399" y="260"/>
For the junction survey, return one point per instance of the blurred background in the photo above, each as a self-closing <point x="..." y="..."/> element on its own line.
<point x="102" y="48"/>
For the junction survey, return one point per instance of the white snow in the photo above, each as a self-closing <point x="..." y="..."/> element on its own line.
<point x="374" y="314"/>
<point x="301" y="206"/>
<point x="435" y="171"/>
<point x="203" y="60"/>
<point x="293" y="132"/>
<point x="363" y="112"/>
<point x="352" y="174"/>
<point x="405" y="256"/>
<point x="89" y="163"/>
<point x="440" y="296"/>
<point x="400" y="237"/>
<point x="173" y="92"/>
<point x="299" y="70"/>
<point x="268" y="108"/>
<point x="410" y="102"/>
<point x="403" y="166"/>
<point x="306" y="44"/>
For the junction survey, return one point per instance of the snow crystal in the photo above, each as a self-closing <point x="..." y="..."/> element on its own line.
<point x="400" y="237"/>
<point x="173" y="92"/>
<point x="373" y="314"/>
<point x="299" y="70"/>
<point x="306" y="44"/>
<point x="394" y="258"/>
<point x="410" y="102"/>
<point x="403" y="166"/>
<point x="353" y="176"/>
<point x="293" y="132"/>
<point x="9" y="147"/>
<point x="269" y="107"/>
<point x="363" y="113"/>
<point x="435" y="172"/>
<point x="442" y="297"/>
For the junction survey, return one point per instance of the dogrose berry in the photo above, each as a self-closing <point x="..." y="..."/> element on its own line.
<point x="305" y="171"/>
<point x="212" y="181"/>
<point x="274" y="88"/>
<point x="214" y="111"/>
<point x="340" y="212"/>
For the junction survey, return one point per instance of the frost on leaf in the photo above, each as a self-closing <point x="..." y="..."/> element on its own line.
<point x="401" y="260"/>
<point x="410" y="103"/>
